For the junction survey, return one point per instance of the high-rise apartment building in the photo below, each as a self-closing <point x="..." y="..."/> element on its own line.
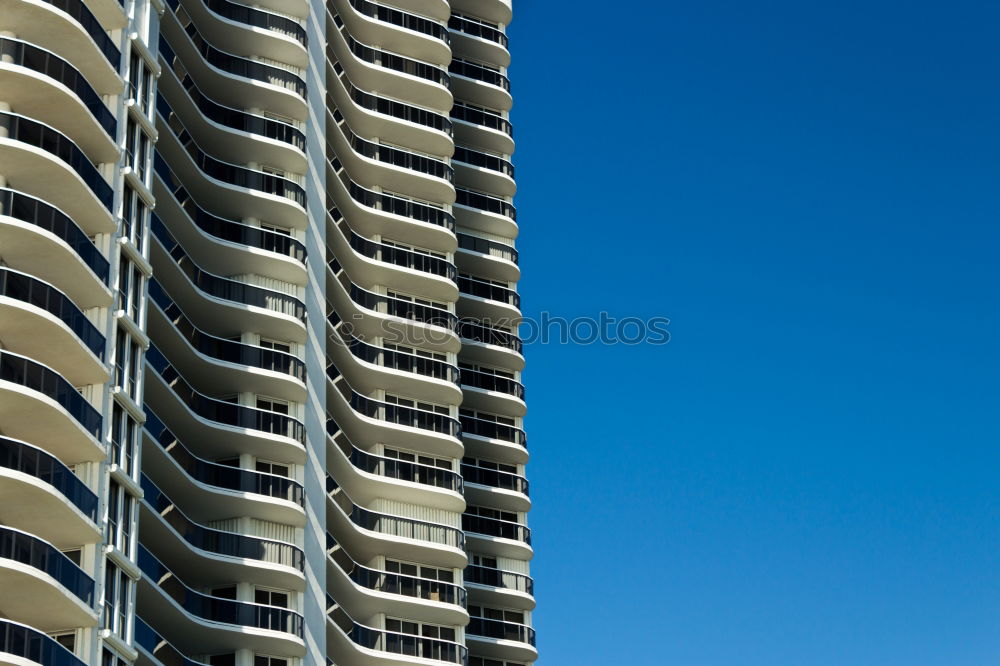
<point x="260" y="398"/>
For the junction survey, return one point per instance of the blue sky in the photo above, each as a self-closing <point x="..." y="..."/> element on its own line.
<point x="807" y="474"/>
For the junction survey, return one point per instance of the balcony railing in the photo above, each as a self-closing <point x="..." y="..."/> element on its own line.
<point x="230" y="351"/>
<point x="220" y="411"/>
<point x="480" y="116"/>
<point x="389" y="107"/>
<point x="507" y="580"/>
<point x="395" y="583"/>
<point x="23" y="287"/>
<point x="392" y="413"/>
<point x="477" y="72"/>
<point x="216" y="541"/>
<point x="258" y="18"/>
<point x="402" y="19"/>
<point x="222" y="476"/>
<point x="472" y="425"/>
<point x="391" y="358"/>
<point x="485" y="160"/>
<point x="397" y="307"/>
<point x="16" y="52"/>
<point x="228" y="230"/>
<point x="44" y="216"/>
<point x="473" y="286"/>
<point x="388" y="60"/>
<point x="480" y="201"/>
<point x="391" y="254"/>
<point x="242" y="67"/>
<point x="227" y="116"/>
<point x="487" y="247"/>
<point x="392" y="155"/>
<point x="494" y="478"/>
<point x="395" y="642"/>
<point x="32" y="645"/>
<point x="490" y="382"/>
<point x="31" y="551"/>
<point x="399" y="526"/>
<point x="233" y="174"/>
<point x="393" y="468"/>
<point x="216" y="609"/>
<point x="33" y="133"/>
<point x="33" y="375"/>
<point x="477" y="332"/>
<point x="225" y="288"/>
<point x="459" y="23"/>
<point x="78" y="10"/>
<point x="392" y="203"/>
<point x="159" y="648"/>
<point x="509" y="631"/>
<point x="22" y="457"/>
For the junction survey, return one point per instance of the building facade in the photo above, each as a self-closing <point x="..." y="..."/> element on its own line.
<point x="260" y="397"/>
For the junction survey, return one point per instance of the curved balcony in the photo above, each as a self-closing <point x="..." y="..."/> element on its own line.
<point x="505" y="639"/>
<point x="207" y="555"/>
<point x="397" y="30"/>
<point x="244" y="302"/>
<point x="490" y="382"/>
<point x="36" y="402"/>
<point x="478" y="39"/>
<point x="473" y="425"/>
<point x="482" y="212"/>
<point x="221" y="490"/>
<point x="241" y="82"/>
<point x="73" y="105"/>
<point x="482" y="127"/>
<point x="395" y="122"/>
<point x="369" y="591"/>
<point x="229" y="25"/>
<point x="152" y="646"/>
<point x="54" y="247"/>
<point x="485" y="202"/>
<point x="69" y="28"/>
<point x="220" y="623"/>
<point x="479" y="83"/>
<point x="41" y="321"/>
<point x="237" y="247"/>
<point x="373" y="533"/>
<point x="39" y="493"/>
<point x="481" y="256"/>
<point x="20" y="644"/>
<point x="479" y="29"/>
<point x="413" y="80"/>
<point x="390" y="167"/>
<point x="470" y="285"/>
<point x="495" y="527"/>
<point x="233" y="175"/>
<point x="222" y="412"/>
<point x="397" y="360"/>
<point x="61" y="594"/>
<point x="232" y="352"/>
<point x="30" y="150"/>
<point x="506" y="584"/>
<point x="221" y="115"/>
<point x="369" y="646"/>
<point x="490" y="345"/>
<point x="493" y="487"/>
<point x="484" y="171"/>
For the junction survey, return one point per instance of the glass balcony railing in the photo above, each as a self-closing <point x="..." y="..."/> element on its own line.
<point x="35" y="211"/>
<point x="32" y="645"/>
<point x="392" y="155"/>
<point x="507" y="580"/>
<point x="480" y="201"/>
<point x="216" y="541"/>
<point x="221" y="411"/>
<point x="459" y="23"/>
<point x="225" y="288"/>
<point x="401" y="19"/>
<point x="393" y="468"/>
<point x="398" y="526"/>
<point x="477" y="72"/>
<point x="390" y="305"/>
<point x="508" y="631"/>
<point x="226" y="172"/>
<point x="258" y="18"/>
<point x="494" y="478"/>
<point x="22" y="457"/>
<point x="504" y="529"/>
<point x="216" y="609"/>
<point x="488" y="247"/>
<point x="395" y="583"/>
<point x="33" y="375"/>
<point x="389" y="107"/>
<point x="31" y="551"/>
<point x="393" y="413"/>
<point x="396" y="642"/>
<point x="490" y="382"/>
<point x="16" y="52"/>
<point x="227" y="116"/>
<point x="380" y="58"/>
<point x="230" y="351"/>
<point x="159" y="648"/>
<point x="23" y="287"/>
<point x="472" y="425"/>
<point x="479" y="116"/>
<point x="391" y="358"/>
<point x="33" y="133"/>
<point x="393" y="254"/>
<point x="473" y="286"/>
<point x="475" y="331"/>
<point x="485" y="160"/>
<point x="214" y="474"/>
<point x="78" y="10"/>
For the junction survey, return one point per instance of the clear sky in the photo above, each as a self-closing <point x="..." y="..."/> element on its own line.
<point x="808" y="474"/>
